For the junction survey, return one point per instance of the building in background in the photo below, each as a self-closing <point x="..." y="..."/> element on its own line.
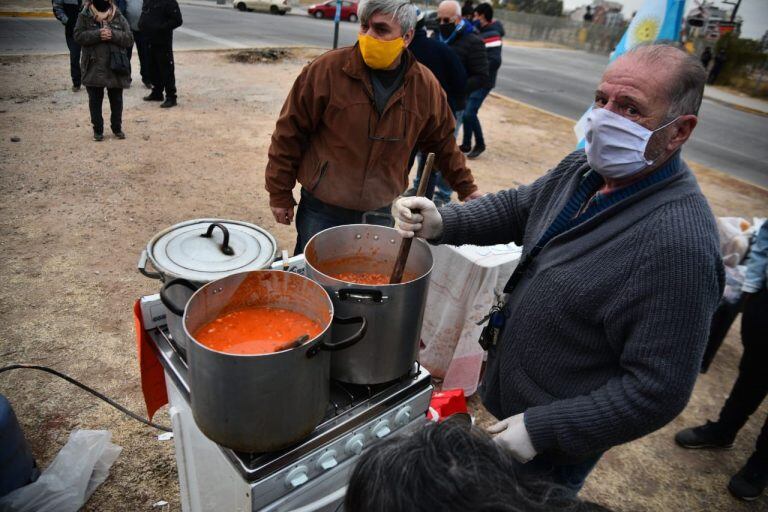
<point x="708" y="23"/>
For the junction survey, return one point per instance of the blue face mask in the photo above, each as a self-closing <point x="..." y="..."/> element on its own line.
<point x="477" y="24"/>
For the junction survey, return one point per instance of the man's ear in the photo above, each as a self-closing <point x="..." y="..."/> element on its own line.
<point x="684" y="128"/>
<point x="408" y="37"/>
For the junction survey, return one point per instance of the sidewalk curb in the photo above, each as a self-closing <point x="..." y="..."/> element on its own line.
<point x="26" y="14"/>
<point x="748" y="110"/>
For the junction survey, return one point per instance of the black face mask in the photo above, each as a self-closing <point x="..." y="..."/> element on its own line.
<point x="446" y="29"/>
<point x="101" y="5"/>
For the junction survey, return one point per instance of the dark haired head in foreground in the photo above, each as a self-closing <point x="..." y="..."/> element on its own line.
<point x="448" y="466"/>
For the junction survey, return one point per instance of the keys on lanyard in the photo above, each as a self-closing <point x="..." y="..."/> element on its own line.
<point x="496" y="319"/>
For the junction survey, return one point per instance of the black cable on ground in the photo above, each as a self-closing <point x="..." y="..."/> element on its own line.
<point x="86" y="388"/>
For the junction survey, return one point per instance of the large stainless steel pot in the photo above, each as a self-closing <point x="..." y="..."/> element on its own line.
<point x="187" y="255"/>
<point x="265" y="402"/>
<point x="394" y="312"/>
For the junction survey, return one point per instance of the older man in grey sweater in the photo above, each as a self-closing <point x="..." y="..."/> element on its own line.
<point x="607" y="314"/>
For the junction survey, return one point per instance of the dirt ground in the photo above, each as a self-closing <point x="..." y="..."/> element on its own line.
<point x="75" y="215"/>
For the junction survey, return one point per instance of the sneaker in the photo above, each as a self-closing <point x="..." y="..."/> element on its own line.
<point x="704" y="436"/>
<point x="410" y="192"/>
<point x="119" y="134"/>
<point x="475" y="152"/>
<point x="749" y="483"/>
<point x="465" y="148"/>
<point x="98" y="137"/>
<point x="154" y="97"/>
<point x="168" y="103"/>
<point x="75" y="88"/>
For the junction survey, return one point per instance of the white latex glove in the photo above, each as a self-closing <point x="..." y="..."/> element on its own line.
<point x="512" y="435"/>
<point x="418" y="216"/>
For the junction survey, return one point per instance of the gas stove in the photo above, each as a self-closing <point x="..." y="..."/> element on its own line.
<point x="309" y="476"/>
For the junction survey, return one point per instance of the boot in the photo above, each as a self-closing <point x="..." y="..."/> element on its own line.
<point x="475" y="152"/>
<point x="154" y="97"/>
<point x="749" y="483"/>
<point x="168" y="103"/>
<point x="704" y="436"/>
<point x="98" y="136"/>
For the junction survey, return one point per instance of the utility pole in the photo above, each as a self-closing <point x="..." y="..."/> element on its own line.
<point x="735" y="8"/>
<point x="337" y="19"/>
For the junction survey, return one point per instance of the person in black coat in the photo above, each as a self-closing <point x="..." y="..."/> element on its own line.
<point x="158" y="20"/>
<point x="447" y="68"/>
<point x="461" y="37"/>
<point x="66" y="12"/>
<point x="491" y="32"/>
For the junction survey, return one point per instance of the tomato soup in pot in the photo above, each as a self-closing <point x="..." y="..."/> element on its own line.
<point x="256" y="330"/>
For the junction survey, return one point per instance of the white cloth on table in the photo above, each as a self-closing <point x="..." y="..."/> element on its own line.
<point x="465" y="283"/>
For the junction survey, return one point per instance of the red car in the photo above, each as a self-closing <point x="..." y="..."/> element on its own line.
<point x="328" y="10"/>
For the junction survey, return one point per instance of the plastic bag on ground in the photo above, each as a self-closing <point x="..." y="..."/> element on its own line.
<point x="78" y="469"/>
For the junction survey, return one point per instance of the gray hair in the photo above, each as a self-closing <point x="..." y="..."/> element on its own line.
<point x="686" y="88"/>
<point x="402" y="11"/>
<point x="453" y="3"/>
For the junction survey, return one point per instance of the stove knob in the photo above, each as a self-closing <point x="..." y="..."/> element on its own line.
<point x="327" y="460"/>
<point x="297" y="477"/>
<point x="381" y="429"/>
<point x="403" y="416"/>
<point x="355" y="445"/>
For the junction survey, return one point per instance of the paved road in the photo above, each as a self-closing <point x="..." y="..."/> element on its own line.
<point x="561" y="81"/>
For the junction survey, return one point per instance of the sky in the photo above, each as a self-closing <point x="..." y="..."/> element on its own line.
<point x="754" y="13"/>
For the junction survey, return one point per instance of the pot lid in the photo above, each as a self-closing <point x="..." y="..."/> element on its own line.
<point x="203" y="250"/>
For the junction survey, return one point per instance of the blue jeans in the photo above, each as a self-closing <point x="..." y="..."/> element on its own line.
<point x="436" y="181"/>
<point x="471" y="121"/>
<point x="570" y="476"/>
<point x="313" y="216"/>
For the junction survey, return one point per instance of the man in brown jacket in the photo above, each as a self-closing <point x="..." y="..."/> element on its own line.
<point x="350" y="123"/>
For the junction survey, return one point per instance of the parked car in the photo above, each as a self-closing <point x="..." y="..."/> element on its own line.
<point x="274" y="6"/>
<point x="328" y="10"/>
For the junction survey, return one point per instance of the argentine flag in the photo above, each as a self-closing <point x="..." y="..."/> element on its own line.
<point x="657" y="20"/>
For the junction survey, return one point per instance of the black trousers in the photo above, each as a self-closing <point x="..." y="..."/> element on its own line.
<point x="142" y="49"/>
<point x="162" y="73"/>
<point x="74" y="57"/>
<point x="751" y="386"/>
<point x="724" y="316"/>
<point x="96" y="98"/>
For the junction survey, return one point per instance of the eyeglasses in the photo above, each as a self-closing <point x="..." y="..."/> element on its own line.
<point x="387" y="139"/>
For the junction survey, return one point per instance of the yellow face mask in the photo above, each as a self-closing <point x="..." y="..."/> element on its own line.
<point x="379" y="54"/>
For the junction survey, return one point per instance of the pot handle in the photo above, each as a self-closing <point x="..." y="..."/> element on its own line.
<point x="345" y="343"/>
<point x="361" y="296"/>
<point x="167" y="302"/>
<point x="225" y="248"/>
<point x="142" y="266"/>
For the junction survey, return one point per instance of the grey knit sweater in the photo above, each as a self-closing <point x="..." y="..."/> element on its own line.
<point x="608" y="324"/>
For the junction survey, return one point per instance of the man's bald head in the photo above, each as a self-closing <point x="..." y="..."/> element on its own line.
<point x="449" y="9"/>
<point x="680" y="75"/>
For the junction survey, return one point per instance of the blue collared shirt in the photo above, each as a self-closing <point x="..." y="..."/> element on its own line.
<point x="757" y="263"/>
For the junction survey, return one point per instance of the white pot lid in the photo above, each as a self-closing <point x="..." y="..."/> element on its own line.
<point x="184" y="251"/>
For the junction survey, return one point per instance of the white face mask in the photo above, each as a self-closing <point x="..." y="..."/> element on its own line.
<point x="615" y="145"/>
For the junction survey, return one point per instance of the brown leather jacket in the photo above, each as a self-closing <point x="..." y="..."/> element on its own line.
<point x="330" y="138"/>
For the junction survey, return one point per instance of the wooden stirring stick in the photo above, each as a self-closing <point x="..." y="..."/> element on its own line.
<point x="293" y="344"/>
<point x="405" y="247"/>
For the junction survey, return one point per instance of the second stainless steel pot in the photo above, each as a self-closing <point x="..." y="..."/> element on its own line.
<point x="263" y="402"/>
<point x="394" y="312"/>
